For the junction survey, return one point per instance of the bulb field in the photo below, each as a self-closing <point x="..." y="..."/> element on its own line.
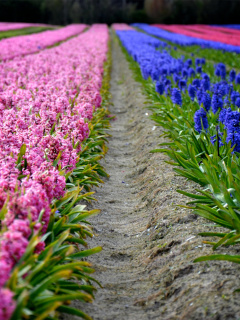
<point x="145" y="119"/>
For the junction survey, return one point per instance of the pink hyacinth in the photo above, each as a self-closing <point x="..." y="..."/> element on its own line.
<point x="5" y="269"/>
<point x="13" y="245"/>
<point x="46" y="102"/>
<point x="21" y="45"/>
<point x="7" y="304"/>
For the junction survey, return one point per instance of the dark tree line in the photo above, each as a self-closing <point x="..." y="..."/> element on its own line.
<point x="194" y="11"/>
<point x="62" y="12"/>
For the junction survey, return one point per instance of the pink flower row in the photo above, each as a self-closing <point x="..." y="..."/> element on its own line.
<point x="22" y="45"/>
<point x="204" y="32"/>
<point x="6" y="26"/>
<point x="121" y="26"/>
<point x="46" y="101"/>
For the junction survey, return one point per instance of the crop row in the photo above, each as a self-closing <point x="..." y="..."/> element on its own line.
<point x="51" y="140"/>
<point x="224" y="35"/>
<point x="6" y="26"/>
<point x="200" y="114"/>
<point x="185" y="40"/>
<point x="27" y="44"/>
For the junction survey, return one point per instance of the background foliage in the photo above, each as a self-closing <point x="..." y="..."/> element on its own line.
<point x="62" y="12"/>
<point x="194" y="11"/>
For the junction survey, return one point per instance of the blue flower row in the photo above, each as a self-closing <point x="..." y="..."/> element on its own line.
<point x="231" y="26"/>
<point x="184" y="40"/>
<point x="184" y="78"/>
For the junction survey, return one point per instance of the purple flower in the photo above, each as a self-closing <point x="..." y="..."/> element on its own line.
<point x="213" y="139"/>
<point x="176" y="96"/>
<point x="232" y="75"/>
<point x="199" y="69"/>
<point x="238" y="102"/>
<point x="205" y="84"/>
<point x="182" y="84"/>
<point x="200" y="119"/>
<point x="217" y="103"/>
<point x="7" y="304"/>
<point x="159" y="87"/>
<point x="238" y="78"/>
<point x="226" y="102"/>
<point x="196" y="83"/>
<point x="197" y="61"/>
<point x="206" y="101"/>
<point x="234" y="96"/>
<point x="184" y="73"/>
<point x="192" y="91"/>
<point x="199" y="95"/>
<point x="176" y="78"/>
<point x="221" y="70"/>
<point x="5" y="269"/>
<point x="222" y="115"/>
<point x="191" y="72"/>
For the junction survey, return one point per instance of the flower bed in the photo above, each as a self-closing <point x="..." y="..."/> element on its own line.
<point x="205" y="32"/>
<point x="184" y="40"/>
<point x="6" y="26"/>
<point x="22" y="45"/>
<point x="47" y="104"/>
<point x="200" y="114"/>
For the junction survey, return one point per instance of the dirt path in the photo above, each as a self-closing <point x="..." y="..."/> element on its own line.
<point x="148" y="244"/>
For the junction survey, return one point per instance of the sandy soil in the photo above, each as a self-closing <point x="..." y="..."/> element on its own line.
<point x="149" y="244"/>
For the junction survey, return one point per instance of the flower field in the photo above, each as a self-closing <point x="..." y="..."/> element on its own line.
<point x="54" y="121"/>
<point x="49" y="104"/>
<point x="198" y="105"/>
<point x="6" y="26"/>
<point x="22" y="45"/>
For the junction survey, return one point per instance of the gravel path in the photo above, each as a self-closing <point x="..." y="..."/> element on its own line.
<point x="146" y="266"/>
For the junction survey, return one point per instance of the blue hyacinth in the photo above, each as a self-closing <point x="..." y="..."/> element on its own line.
<point x="196" y="83"/>
<point x="237" y="102"/>
<point x="199" y="69"/>
<point x="205" y="84"/>
<point x="159" y="87"/>
<point x="182" y="84"/>
<point x="199" y="95"/>
<point x="232" y="75"/>
<point x="217" y="103"/>
<point x="222" y="115"/>
<point x="192" y="91"/>
<point x="221" y="70"/>
<point x="238" y="78"/>
<point x="184" y="73"/>
<point x="191" y="72"/>
<point x="200" y="119"/>
<point x="176" y="78"/>
<point x="197" y="61"/>
<point x="176" y="96"/>
<point x="234" y="96"/>
<point x="213" y="139"/>
<point x="226" y="102"/>
<point x="206" y="101"/>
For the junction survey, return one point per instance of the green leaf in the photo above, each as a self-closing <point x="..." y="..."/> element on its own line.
<point x="225" y="257"/>
<point x="86" y="253"/>
<point x="75" y="312"/>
